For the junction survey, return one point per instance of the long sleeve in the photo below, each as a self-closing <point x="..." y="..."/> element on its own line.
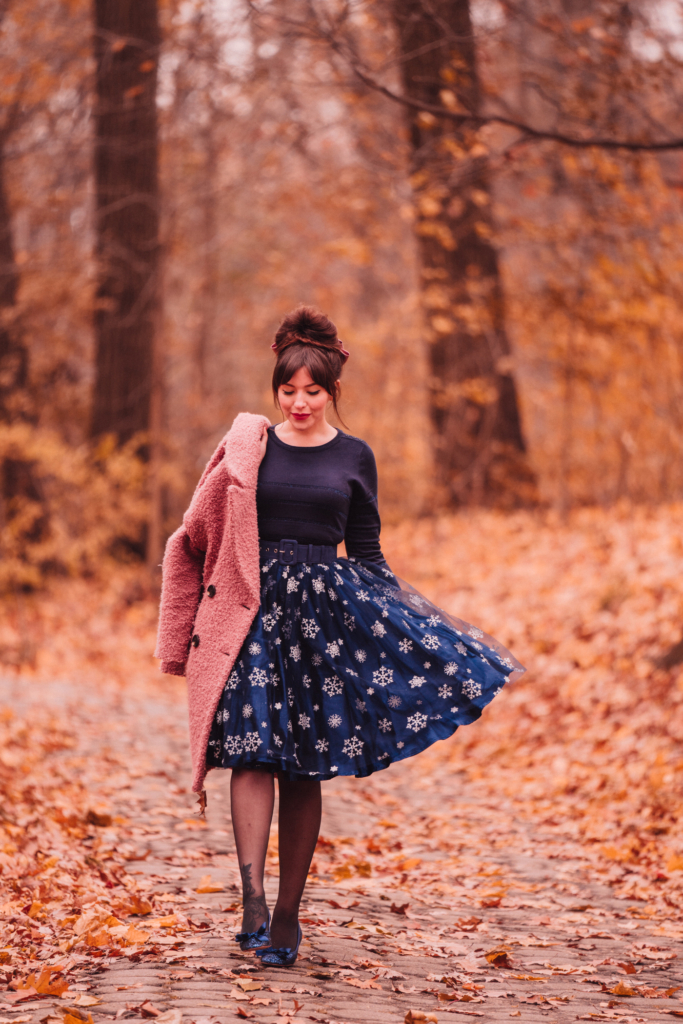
<point x="363" y="525"/>
<point x="180" y="594"/>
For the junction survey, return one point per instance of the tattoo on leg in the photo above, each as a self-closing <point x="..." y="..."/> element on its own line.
<point x="255" y="908"/>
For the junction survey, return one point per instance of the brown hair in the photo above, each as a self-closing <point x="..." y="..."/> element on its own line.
<point x="307" y="338"/>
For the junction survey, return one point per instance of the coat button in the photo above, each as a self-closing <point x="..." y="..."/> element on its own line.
<point x="195" y="640"/>
<point x="211" y="590"/>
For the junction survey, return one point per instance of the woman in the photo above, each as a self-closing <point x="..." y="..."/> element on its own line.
<point x="331" y="666"/>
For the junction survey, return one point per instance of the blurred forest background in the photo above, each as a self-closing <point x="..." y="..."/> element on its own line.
<point x="484" y="195"/>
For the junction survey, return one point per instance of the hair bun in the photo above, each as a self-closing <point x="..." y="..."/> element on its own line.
<point x="308" y="326"/>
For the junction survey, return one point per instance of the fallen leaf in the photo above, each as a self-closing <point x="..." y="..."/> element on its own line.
<point x="101" y="820"/>
<point x="499" y="956"/>
<point x="206" y="885"/>
<point x="414" y="1016"/>
<point x="170" y="1017"/>
<point x="241" y="1012"/>
<point x="402" y="909"/>
<point x="247" y="985"/>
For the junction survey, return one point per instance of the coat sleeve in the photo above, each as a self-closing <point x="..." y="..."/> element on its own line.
<point x="180" y="594"/>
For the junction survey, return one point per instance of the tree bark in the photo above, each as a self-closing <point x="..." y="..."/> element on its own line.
<point x="127" y="214"/>
<point x="480" y="449"/>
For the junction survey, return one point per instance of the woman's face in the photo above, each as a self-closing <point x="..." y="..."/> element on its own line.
<point x="303" y="402"/>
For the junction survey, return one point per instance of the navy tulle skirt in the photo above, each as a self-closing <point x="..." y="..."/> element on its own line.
<point x="346" y="669"/>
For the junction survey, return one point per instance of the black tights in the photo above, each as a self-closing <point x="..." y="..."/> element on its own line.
<point x="300" y="806"/>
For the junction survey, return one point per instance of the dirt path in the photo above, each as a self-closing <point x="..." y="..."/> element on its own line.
<point x="425" y="895"/>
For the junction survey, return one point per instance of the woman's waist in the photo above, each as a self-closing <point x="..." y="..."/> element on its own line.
<point x="289" y="551"/>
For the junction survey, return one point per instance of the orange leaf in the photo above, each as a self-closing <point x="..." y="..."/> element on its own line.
<point x="206" y="885"/>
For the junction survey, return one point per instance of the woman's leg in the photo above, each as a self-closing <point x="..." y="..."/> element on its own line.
<point x="251" y="806"/>
<point x="299" y="825"/>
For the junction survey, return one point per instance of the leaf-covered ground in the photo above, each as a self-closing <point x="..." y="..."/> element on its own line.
<point x="533" y="864"/>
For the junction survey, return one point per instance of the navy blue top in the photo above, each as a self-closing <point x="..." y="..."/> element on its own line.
<point x="320" y="495"/>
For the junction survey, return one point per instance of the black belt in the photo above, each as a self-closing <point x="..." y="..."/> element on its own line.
<point x="288" y="552"/>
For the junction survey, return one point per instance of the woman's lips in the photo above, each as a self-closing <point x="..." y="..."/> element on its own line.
<point x="300" y="415"/>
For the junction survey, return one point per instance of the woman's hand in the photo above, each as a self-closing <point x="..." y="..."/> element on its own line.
<point x="264" y="444"/>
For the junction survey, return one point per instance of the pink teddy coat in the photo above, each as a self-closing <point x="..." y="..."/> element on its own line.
<point x="216" y="548"/>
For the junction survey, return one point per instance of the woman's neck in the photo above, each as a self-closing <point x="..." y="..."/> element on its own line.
<point x="310" y="438"/>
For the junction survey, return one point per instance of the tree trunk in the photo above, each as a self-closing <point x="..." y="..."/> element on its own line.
<point x="127" y="214"/>
<point x="480" y="450"/>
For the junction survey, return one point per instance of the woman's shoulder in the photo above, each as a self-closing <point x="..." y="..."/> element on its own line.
<point x="357" y="447"/>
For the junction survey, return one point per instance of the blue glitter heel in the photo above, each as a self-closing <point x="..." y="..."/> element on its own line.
<point x="282" y="957"/>
<point x="255" y="940"/>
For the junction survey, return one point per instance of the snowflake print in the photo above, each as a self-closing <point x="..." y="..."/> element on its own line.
<point x="322" y="746"/>
<point x="416" y="721"/>
<point x="460" y="648"/>
<point x="233" y="745"/>
<point x="450" y="668"/>
<point x="332" y="649"/>
<point x="369" y="690"/>
<point x="292" y="585"/>
<point x="332" y="594"/>
<point x="349" y="621"/>
<point x="268" y="621"/>
<point x="394" y="701"/>
<point x="319" y="585"/>
<point x="252" y="741"/>
<point x="264" y="725"/>
<point x="334" y="768"/>
<point x="259" y="677"/>
<point x="289" y="726"/>
<point x="427" y="664"/>
<point x="338" y="580"/>
<point x="333" y="686"/>
<point x="307" y="682"/>
<point x="485" y="660"/>
<point x="279" y="706"/>
<point x="233" y="680"/>
<point x="378" y="629"/>
<point x="316" y="707"/>
<point x="277" y="740"/>
<point x="478" y="646"/>
<point x="254" y="648"/>
<point x="360" y="704"/>
<point x="304" y="721"/>
<point x="304" y="596"/>
<point x="383" y="676"/>
<point x="385" y="725"/>
<point x="431" y="642"/>
<point x="416" y="682"/>
<point x="363" y="595"/>
<point x="317" y="659"/>
<point x="277" y="611"/>
<point x="433" y="620"/>
<point x="445" y="692"/>
<point x="295" y="652"/>
<point x="334" y="721"/>
<point x="247" y="711"/>
<point x="223" y="715"/>
<point x="473" y="631"/>
<point x="400" y="745"/>
<point x="405" y="646"/>
<point x="360" y="655"/>
<point x="309" y="628"/>
<point x="506" y="662"/>
<point x="471" y="688"/>
<point x="352" y="747"/>
<point x="416" y="600"/>
<point x="290" y="697"/>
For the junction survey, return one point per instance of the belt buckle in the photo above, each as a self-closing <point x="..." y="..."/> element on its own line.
<point x="288" y="552"/>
